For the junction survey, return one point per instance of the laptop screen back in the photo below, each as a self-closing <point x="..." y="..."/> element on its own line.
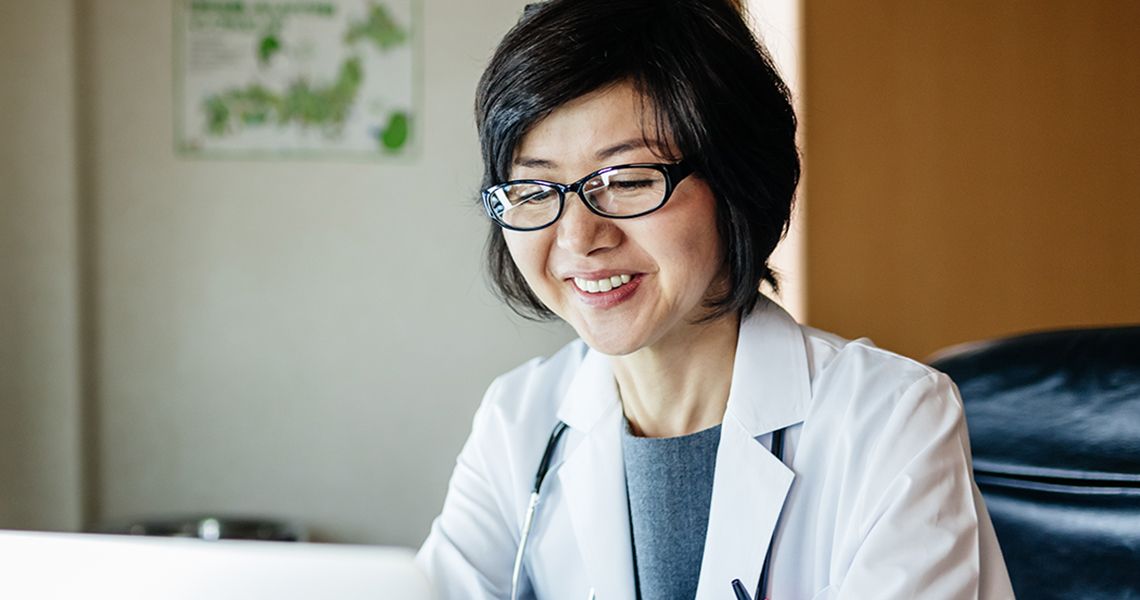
<point x="53" y="565"/>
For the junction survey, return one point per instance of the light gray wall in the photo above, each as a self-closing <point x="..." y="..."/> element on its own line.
<point x="39" y="351"/>
<point x="303" y="339"/>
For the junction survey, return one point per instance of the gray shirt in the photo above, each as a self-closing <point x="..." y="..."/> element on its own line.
<point x="669" y="483"/>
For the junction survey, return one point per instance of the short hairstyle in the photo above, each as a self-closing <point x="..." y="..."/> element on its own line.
<point x="714" y="90"/>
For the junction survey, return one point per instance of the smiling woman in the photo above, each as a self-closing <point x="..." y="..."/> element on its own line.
<point x="640" y="168"/>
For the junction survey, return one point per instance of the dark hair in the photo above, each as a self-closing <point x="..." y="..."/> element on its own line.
<point x="715" y="92"/>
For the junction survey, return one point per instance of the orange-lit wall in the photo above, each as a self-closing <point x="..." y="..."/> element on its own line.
<point x="974" y="168"/>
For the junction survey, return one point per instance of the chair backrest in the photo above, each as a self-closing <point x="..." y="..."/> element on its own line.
<point x="1054" y="422"/>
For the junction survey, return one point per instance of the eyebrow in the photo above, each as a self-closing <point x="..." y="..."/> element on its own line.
<point x="604" y="153"/>
<point x="627" y="145"/>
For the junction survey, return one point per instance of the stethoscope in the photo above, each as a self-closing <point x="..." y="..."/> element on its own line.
<point x="532" y="506"/>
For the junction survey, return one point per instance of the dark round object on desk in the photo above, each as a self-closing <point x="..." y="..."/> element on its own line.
<point x="209" y="527"/>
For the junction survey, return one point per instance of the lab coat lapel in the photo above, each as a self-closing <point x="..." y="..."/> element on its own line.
<point x="770" y="390"/>
<point x="749" y="489"/>
<point x="592" y="478"/>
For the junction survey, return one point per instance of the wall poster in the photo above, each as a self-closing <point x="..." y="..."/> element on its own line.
<point x="296" y="77"/>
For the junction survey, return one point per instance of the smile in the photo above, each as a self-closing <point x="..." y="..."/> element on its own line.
<point x="601" y="285"/>
<point x="606" y="292"/>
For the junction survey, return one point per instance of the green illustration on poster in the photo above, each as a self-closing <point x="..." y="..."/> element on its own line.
<point x="296" y="77"/>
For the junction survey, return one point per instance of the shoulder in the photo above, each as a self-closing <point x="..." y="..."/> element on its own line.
<point x="831" y="356"/>
<point x="878" y="418"/>
<point x="867" y="389"/>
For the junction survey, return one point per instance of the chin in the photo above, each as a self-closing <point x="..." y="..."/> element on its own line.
<point x="611" y="345"/>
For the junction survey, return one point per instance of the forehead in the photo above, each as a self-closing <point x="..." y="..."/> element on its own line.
<point x="583" y="129"/>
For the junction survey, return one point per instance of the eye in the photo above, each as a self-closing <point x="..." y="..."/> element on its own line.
<point x="537" y="195"/>
<point x="632" y="184"/>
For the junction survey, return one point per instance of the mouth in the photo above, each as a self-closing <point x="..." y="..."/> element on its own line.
<point x="603" y="285"/>
<point x="605" y="291"/>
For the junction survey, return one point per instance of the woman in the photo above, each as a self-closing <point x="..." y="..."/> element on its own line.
<point x="704" y="429"/>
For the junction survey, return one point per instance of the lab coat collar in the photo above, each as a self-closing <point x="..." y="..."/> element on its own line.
<point x="770" y="389"/>
<point x="771" y="383"/>
<point x="592" y="393"/>
<point x="592" y="477"/>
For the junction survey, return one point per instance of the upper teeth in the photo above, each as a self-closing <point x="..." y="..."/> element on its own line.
<point x="601" y="285"/>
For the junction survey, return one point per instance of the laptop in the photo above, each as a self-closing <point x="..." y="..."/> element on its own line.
<point x="51" y="566"/>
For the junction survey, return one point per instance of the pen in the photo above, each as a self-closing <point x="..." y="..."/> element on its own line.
<point x="741" y="593"/>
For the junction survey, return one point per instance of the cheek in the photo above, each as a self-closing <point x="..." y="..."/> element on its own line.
<point x="697" y="242"/>
<point x="527" y="251"/>
<point x="700" y="260"/>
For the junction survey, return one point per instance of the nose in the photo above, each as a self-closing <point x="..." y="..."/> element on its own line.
<point x="584" y="233"/>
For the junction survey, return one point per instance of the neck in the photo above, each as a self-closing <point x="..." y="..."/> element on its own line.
<point x="679" y="385"/>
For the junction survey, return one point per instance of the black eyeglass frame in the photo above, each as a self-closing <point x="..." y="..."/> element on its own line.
<point x="674" y="173"/>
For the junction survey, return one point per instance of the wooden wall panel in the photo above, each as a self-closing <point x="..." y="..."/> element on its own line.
<point x="974" y="167"/>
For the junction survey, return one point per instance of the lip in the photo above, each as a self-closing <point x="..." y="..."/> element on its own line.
<point x="606" y="299"/>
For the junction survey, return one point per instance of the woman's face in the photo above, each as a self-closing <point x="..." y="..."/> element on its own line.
<point x="671" y="257"/>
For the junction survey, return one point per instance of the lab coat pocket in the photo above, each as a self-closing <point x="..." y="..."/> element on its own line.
<point x="826" y="593"/>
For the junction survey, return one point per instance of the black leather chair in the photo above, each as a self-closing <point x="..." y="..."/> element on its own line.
<point x="1054" y="423"/>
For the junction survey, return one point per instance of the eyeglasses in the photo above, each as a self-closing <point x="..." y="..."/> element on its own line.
<point x="619" y="192"/>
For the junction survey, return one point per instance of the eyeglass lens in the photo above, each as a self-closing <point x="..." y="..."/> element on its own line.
<point x="622" y="192"/>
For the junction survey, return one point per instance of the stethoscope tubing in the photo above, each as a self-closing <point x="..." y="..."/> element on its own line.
<point x="762" y="586"/>
<point x="532" y="506"/>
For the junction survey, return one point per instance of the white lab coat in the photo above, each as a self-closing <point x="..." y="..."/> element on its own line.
<point x="876" y="499"/>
